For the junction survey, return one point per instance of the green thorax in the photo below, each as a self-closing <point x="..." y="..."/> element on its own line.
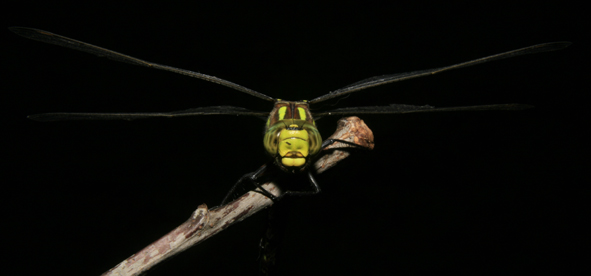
<point x="285" y="110"/>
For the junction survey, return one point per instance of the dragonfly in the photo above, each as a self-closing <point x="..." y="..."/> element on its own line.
<point x="291" y="138"/>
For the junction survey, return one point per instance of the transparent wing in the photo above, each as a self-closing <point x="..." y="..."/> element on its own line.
<point x="380" y="80"/>
<point x="50" y="38"/>
<point x="404" y="108"/>
<point x="211" y="110"/>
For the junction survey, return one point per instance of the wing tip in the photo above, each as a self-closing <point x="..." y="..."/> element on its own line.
<point x="36" y="117"/>
<point x="559" y="45"/>
<point x="20" y="30"/>
<point x="519" y="106"/>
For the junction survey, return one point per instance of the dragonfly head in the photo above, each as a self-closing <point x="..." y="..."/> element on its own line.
<point x="292" y="144"/>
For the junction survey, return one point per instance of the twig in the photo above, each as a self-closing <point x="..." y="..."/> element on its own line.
<point x="205" y="223"/>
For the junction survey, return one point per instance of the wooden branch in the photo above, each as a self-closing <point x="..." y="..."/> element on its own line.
<point x="350" y="129"/>
<point x="205" y="223"/>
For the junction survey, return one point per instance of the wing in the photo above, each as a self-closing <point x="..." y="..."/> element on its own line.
<point x="210" y="110"/>
<point x="380" y="80"/>
<point x="404" y="108"/>
<point x="50" y="38"/>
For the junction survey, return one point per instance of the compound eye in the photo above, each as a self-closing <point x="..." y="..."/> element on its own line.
<point x="271" y="140"/>
<point x="314" y="139"/>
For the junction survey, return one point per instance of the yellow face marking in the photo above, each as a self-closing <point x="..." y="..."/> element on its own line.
<point x="293" y="162"/>
<point x="282" y="111"/>
<point x="291" y="141"/>
<point x="293" y="147"/>
<point x="302" y="113"/>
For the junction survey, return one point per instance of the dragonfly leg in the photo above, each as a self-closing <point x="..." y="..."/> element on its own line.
<point x="329" y="142"/>
<point x="314" y="185"/>
<point x="252" y="177"/>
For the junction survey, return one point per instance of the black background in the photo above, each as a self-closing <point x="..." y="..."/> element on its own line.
<point x="465" y="193"/>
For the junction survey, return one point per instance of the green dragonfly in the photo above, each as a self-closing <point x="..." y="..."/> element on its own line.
<point x="291" y="138"/>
